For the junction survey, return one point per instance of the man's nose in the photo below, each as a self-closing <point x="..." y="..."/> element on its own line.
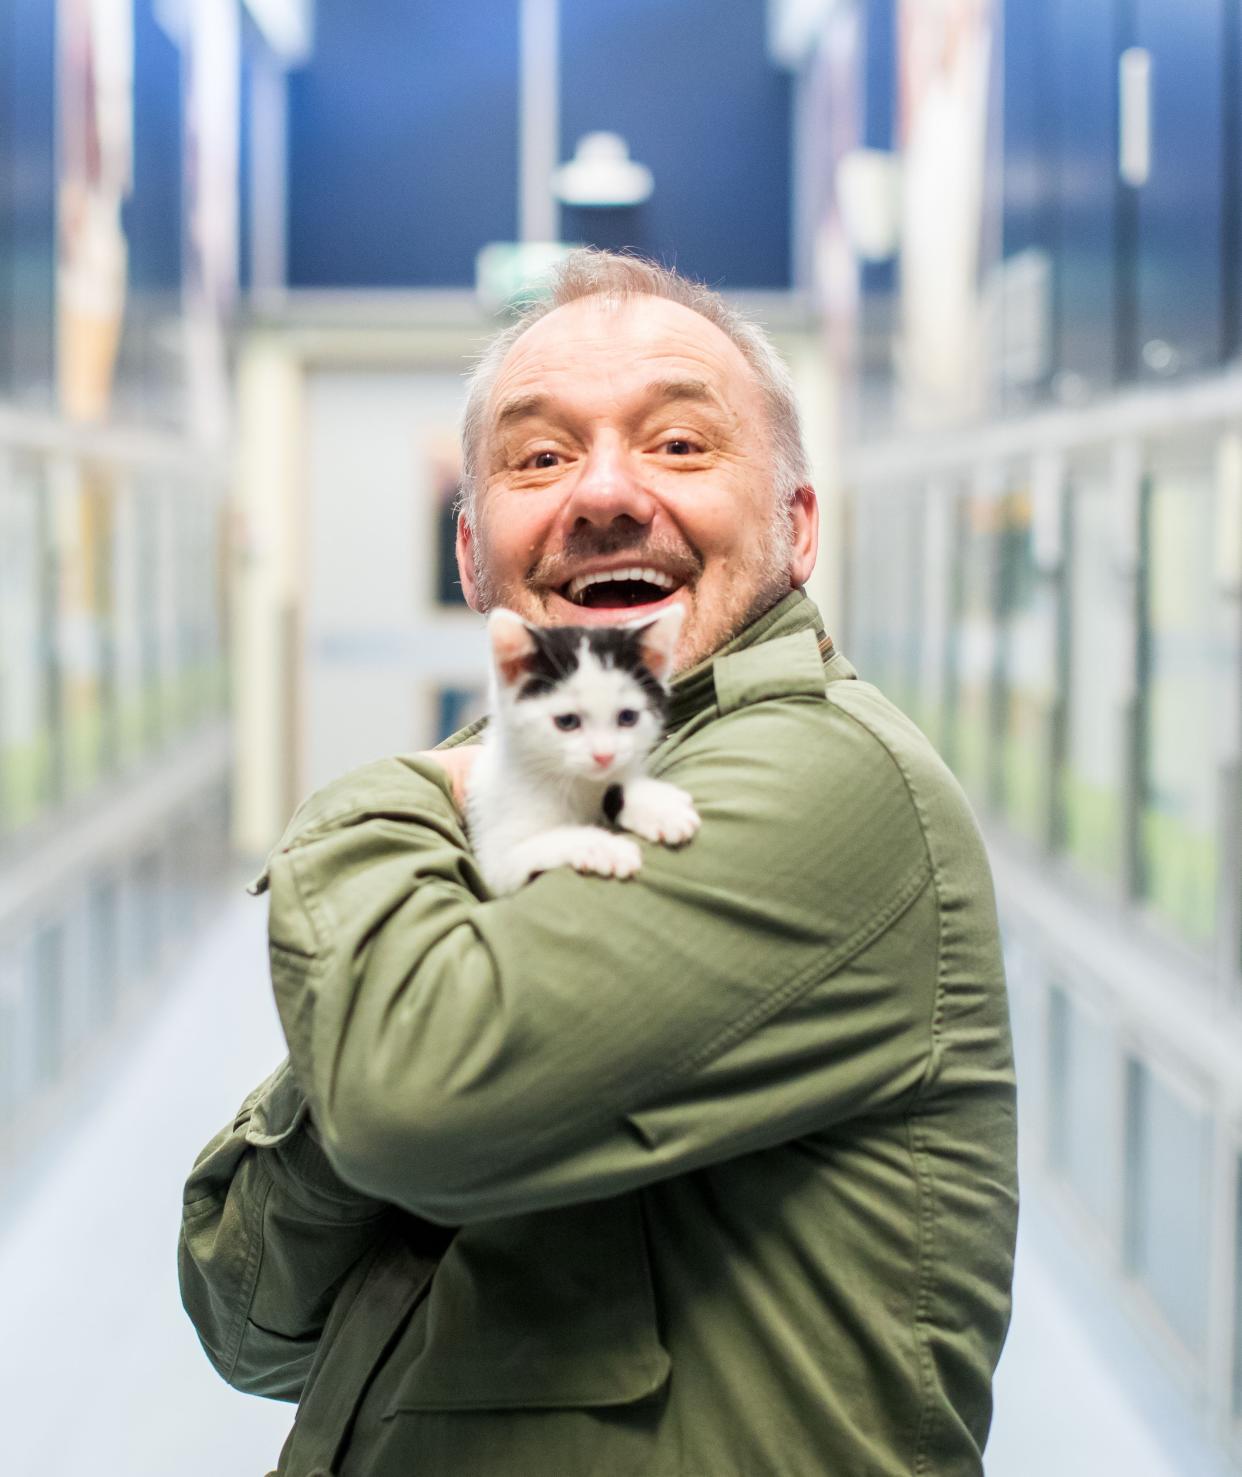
<point x="609" y="487"/>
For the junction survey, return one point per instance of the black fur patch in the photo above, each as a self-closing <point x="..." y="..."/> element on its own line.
<point x="614" y="799"/>
<point x="556" y="658"/>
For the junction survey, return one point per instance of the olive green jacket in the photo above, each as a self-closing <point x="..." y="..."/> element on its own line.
<point x="730" y="1145"/>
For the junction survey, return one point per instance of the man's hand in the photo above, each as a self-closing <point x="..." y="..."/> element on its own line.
<point x="457" y="764"/>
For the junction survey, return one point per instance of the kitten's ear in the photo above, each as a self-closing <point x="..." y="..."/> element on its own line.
<point x="657" y="641"/>
<point x="513" y="645"/>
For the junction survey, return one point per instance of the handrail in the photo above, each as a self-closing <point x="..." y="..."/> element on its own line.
<point x="25" y="430"/>
<point x="1141" y="412"/>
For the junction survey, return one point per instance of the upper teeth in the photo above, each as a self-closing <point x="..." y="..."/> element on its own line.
<point x="649" y="576"/>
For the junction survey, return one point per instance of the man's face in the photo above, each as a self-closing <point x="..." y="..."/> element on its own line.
<point x="631" y="440"/>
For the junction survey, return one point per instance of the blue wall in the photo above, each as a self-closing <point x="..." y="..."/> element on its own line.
<point x="1180" y="266"/>
<point x="403" y="143"/>
<point x="1083" y="88"/>
<point x="149" y="372"/>
<point x="690" y="87"/>
<point x="404" y="137"/>
<point x="27" y="201"/>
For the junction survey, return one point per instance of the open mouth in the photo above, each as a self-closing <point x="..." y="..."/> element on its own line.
<point x="619" y="589"/>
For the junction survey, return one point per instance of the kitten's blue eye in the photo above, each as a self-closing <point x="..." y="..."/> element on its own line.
<point x="627" y="718"/>
<point x="567" y="721"/>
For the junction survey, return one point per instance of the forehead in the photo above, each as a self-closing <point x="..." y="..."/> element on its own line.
<point x="601" y="347"/>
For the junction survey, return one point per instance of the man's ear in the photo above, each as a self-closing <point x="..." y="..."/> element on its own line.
<point x="806" y="535"/>
<point x="465" y="561"/>
<point x="513" y="645"/>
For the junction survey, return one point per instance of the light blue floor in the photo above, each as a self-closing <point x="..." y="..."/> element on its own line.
<point x="101" y="1373"/>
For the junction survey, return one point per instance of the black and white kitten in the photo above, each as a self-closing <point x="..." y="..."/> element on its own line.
<point x="575" y="710"/>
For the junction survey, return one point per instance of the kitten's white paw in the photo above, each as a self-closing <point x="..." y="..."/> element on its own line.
<point x="585" y="848"/>
<point x="605" y="854"/>
<point x="658" y="812"/>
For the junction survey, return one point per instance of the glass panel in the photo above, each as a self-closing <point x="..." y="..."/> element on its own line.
<point x="1169" y="1145"/>
<point x="886" y="629"/>
<point x="11" y="1074"/>
<point x="1095" y="741"/>
<point x="49" y="1001"/>
<point x="127" y="629"/>
<point x="27" y="669"/>
<point x="104" y="950"/>
<point x="1237" y="1294"/>
<point x="1028" y="628"/>
<point x="974" y="643"/>
<point x="79" y="635"/>
<point x="1082" y="1142"/>
<point x="148" y="591"/>
<point x="1189" y="661"/>
<point x="148" y="913"/>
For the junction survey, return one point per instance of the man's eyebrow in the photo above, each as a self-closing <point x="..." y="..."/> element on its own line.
<point x="682" y="389"/>
<point x="657" y="392"/>
<point x="519" y="408"/>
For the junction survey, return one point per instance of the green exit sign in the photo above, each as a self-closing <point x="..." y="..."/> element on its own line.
<point x="510" y="274"/>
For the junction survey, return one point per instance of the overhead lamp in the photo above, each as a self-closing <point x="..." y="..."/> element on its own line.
<point x="602" y="175"/>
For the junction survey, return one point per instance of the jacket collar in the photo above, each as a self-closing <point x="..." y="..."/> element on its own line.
<point x="694" y="691"/>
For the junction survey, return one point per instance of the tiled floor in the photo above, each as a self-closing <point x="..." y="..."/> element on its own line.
<point x="101" y="1373"/>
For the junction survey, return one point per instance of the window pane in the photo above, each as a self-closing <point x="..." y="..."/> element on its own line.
<point x="104" y="949"/>
<point x="79" y="634"/>
<point x="1027" y="634"/>
<point x="1095" y="744"/>
<point x="1082" y="1139"/>
<point x="148" y="913"/>
<point x="1237" y="1297"/>
<point x="49" y="1002"/>
<point x="974" y="643"/>
<point x="1168" y="1200"/>
<point x="1189" y="660"/>
<point x="27" y="754"/>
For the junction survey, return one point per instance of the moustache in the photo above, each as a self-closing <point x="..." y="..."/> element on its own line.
<point x="681" y="561"/>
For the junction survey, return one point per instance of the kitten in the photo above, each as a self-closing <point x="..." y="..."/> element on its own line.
<point x="575" y="710"/>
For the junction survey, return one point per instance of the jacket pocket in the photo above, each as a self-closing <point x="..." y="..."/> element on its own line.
<point x="554" y="1309"/>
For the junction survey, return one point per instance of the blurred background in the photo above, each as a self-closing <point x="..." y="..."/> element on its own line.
<point x="247" y="251"/>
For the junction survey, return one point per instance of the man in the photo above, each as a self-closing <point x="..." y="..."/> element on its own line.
<point x="707" y="1173"/>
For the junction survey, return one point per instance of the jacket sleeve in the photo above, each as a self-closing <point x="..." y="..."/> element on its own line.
<point x="268" y="1234"/>
<point x="468" y="1057"/>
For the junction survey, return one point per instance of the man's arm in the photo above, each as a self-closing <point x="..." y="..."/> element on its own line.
<point x="469" y="1058"/>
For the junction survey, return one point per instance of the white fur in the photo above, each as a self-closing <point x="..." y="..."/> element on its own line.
<point x="536" y="793"/>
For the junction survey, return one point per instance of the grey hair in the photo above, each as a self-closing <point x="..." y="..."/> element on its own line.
<point x="590" y="272"/>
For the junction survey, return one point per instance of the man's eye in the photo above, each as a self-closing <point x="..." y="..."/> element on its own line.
<point x="543" y="459"/>
<point x="679" y="446"/>
<point x="567" y="721"/>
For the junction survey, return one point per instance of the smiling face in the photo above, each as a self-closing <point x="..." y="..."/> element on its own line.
<point x="627" y="467"/>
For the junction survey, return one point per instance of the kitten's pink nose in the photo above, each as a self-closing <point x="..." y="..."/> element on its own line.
<point x="602" y="759"/>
